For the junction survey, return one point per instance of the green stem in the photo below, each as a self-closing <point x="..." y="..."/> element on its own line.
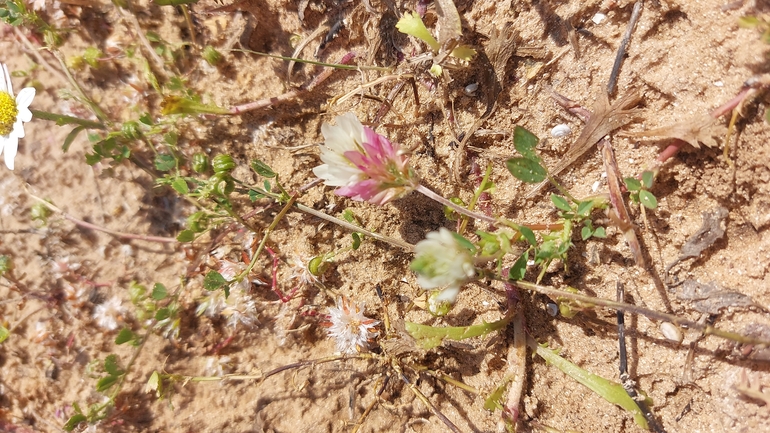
<point x="633" y="309"/>
<point x="312" y="62"/>
<point x="393" y="241"/>
<point x="269" y="230"/>
<point x="61" y="119"/>
<point x="98" y="112"/>
<point x="459" y="209"/>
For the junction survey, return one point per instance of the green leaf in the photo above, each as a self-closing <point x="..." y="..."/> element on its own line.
<point x="429" y="337"/>
<point x="356" y="240"/>
<point x="180" y="186"/>
<point x="586" y="232"/>
<point x="162" y="314"/>
<point x="585" y="207"/>
<point x="348" y="216"/>
<point x="213" y="281"/>
<point x="519" y="269"/>
<point x="262" y="169"/>
<point x="111" y="366"/>
<point x="4" y="333"/>
<point x="159" y="292"/>
<point x="71" y="137"/>
<point x="529" y="235"/>
<point x="164" y="162"/>
<point x="495" y="399"/>
<point x="647" y="199"/>
<point x="600" y="233"/>
<point x="154" y="384"/>
<point x="186" y="236"/>
<point x="124" y="336"/>
<point x="525" y="143"/>
<point x="106" y="383"/>
<point x="74" y="421"/>
<point x="632" y="184"/>
<point x="465" y="243"/>
<point x="254" y="195"/>
<point x="561" y="203"/>
<point x="610" y="391"/>
<point x="647" y="178"/>
<point x="526" y="170"/>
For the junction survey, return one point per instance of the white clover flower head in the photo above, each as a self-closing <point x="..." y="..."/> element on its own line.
<point x="12" y="113"/>
<point x="108" y="313"/>
<point x="441" y="260"/>
<point x="351" y="330"/>
<point x="362" y="164"/>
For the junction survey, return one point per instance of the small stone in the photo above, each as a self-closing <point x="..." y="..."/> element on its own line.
<point x="598" y="18"/>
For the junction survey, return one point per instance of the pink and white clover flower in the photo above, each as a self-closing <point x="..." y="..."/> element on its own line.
<point x="362" y="164"/>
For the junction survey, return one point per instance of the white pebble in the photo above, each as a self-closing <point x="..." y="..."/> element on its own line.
<point x="671" y="332"/>
<point x="561" y="130"/>
<point x="595" y="186"/>
<point x="598" y="18"/>
<point x="470" y="89"/>
<point x="719" y="83"/>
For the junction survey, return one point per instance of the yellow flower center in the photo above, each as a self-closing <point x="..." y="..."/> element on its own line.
<point x="8" y="113"/>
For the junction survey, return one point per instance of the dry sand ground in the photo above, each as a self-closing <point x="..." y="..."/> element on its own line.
<point x="686" y="58"/>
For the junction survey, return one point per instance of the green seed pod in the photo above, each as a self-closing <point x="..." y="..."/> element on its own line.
<point x="223" y="164"/>
<point x="130" y="130"/>
<point x="317" y="266"/>
<point x="200" y="162"/>
<point x="224" y="185"/>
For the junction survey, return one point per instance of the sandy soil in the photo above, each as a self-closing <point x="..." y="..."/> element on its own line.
<point x="685" y="59"/>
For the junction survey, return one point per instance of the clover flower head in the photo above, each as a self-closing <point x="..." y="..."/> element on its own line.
<point x="109" y="312"/>
<point x="362" y="164"/>
<point x="441" y="261"/>
<point x="12" y="113"/>
<point x="351" y="330"/>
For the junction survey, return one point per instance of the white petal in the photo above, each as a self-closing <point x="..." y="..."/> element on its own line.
<point x="337" y="139"/>
<point x="18" y="129"/>
<point x="24" y="98"/>
<point x="10" y="146"/>
<point x="3" y="82"/>
<point x="24" y="115"/>
<point x="350" y="124"/>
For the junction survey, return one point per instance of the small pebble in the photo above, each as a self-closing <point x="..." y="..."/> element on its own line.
<point x="553" y="309"/>
<point x="595" y="186"/>
<point x="671" y="332"/>
<point x="470" y="89"/>
<point x="719" y="83"/>
<point x="598" y="18"/>
<point x="561" y="130"/>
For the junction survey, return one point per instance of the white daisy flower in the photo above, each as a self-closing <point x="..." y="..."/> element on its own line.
<point x="12" y="113"/>
<point x="351" y="330"/>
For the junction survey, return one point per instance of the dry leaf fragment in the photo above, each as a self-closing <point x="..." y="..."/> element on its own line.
<point x="696" y="130"/>
<point x="752" y="388"/>
<point x="710" y="231"/>
<point x="711" y="298"/>
<point x="605" y="118"/>
<point x="450" y="27"/>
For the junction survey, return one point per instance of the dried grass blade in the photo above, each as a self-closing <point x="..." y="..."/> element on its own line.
<point x="618" y="205"/>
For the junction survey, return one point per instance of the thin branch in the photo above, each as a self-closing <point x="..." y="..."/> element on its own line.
<point x="90" y="226"/>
